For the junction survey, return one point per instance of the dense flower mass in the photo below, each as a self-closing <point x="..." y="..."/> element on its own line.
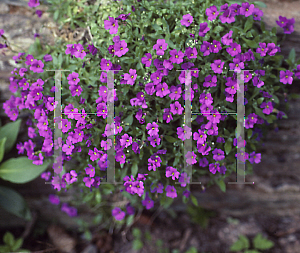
<point x="151" y="94"/>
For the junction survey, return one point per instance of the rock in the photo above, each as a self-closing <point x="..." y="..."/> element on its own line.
<point x="90" y="249"/>
<point x="4" y="8"/>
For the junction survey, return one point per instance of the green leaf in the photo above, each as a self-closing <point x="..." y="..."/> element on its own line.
<point x="194" y="200"/>
<point x="228" y="146"/>
<point x="2" y="148"/>
<point x="55" y="15"/>
<point x="260" y="4"/>
<point x="137" y="244"/>
<point x="260" y="113"/>
<point x="21" y="170"/>
<point x="14" y="203"/>
<point x="240" y="244"/>
<point x="136" y="232"/>
<point x="170" y="139"/>
<point x="222" y="185"/>
<point x="251" y="251"/>
<point x="129" y="119"/>
<point x="248" y="24"/>
<point x="250" y="43"/>
<point x="18" y="244"/>
<point x="292" y="55"/>
<point x="10" y="131"/>
<point x="9" y="239"/>
<point x="262" y="243"/>
<point x="134" y="169"/>
<point x="192" y="250"/>
<point x="129" y="220"/>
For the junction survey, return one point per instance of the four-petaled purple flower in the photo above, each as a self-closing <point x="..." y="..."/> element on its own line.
<point x="217" y="66"/>
<point x="112" y="25"/>
<point x="160" y="47"/>
<point x="286" y="77"/>
<point x="187" y="20"/>
<point x="203" y="29"/>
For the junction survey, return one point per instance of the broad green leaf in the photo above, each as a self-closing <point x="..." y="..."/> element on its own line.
<point x="134" y="169"/>
<point x="250" y="43"/>
<point x="21" y="170"/>
<point x="251" y="251"/>
<point x="14" y="203"/>
<point x="137" y="244"/>
<point x="2" y="148"/>
<point x="18" y="244"/>
<point x="170" y="139"/>
<point x="129" y="220"/>
<point x="136" y="232"/>
<point x="259" y="112"/>
<point x="194" y="200"/>
<point x="248" y="25"/>
<point x="10" y="131"/>
<point x="240" y="244"/>
<point x="228" y="146"/>
<point x="260" y="4"/>
<point x="9" y="239"/>
<point x="129" y="119"/>
<point x="222" y="185"/>
<point x="292" y="55"/>
<point x="262" y="243"/>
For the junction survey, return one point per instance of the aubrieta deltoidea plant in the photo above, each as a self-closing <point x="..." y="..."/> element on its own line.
<point x="148" y="45"/>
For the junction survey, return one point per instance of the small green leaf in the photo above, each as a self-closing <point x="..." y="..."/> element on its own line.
<point x="292" y="55"/>
<point x="9" y="239"/>
<point x="10" y="131"/>
<point x="250" y="43"/>
<point x="137" y="244"/>
<point x="134" y="169"/>
<point x="260" y="4"/>
<point x="222" y="185"/>
<point x="194" y="200"/>
<point x="260" y="113"/>
<point x="14" y="203"/>
<point x="129" y="220"/>
<point x="227" y="147"/>
<point x="18" y="244"/>
<point x="21" y="170"/>
<point x="2" y="148"/>
<point x="55" y="15"/>
<point x="170" y="139"/>
<point x="129" y="119"/>
<point x="136" y="232"/>
<point x="240" y="244"/>
<point x="248" y="24"/>
<point x="251" y="251"/>
<point x="262" y="243"/>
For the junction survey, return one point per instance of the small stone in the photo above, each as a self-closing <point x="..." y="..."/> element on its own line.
<point x="4" y="8"/>
<point x="90" y="249"/>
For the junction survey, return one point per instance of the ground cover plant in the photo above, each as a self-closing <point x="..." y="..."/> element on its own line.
<point x="148" y="44"/>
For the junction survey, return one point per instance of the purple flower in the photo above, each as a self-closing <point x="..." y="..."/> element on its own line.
<point x="218" y="154"/>
<point x="39" y="13"/>
<point x="184" y="133"/>
<point x="203" y="162"/>
<point x="247" y="9"/>
<point x="118" y="213"/>
<point x="112" y="25"/>
<point x="282" y="22"/>
<point x="105" y="64"/>
<point x="162" y="90"/>
<point x="257" y="14"/>
<point x="214" y="167"/>
<point x="37" y="66"/>
<point x="203" y="29"/>
<point x="206" y="99"/>
<point x="73" y="78"/>
<point x="289" y="28"/>
<point x="187" y="20"/>
<point x="130" y="209"/>
<point x="191" y="157"/>
<point x="154" y="140"/>
<point x="130" y="78"/>
<point x="206" y="48"/>
<point x="47" y="57"/>
<point x="286" y="77"/>
<point x="172" y="172"/>
<point x="93" y="50"/>
<point x="121" y="48"/>
<point x="217" y="66"/>
<point x="33" y="3"/>
<point x="152" y="128"/>
<point x="106" y="144"/>
<point x="262" y="50"/>
<point x="90" y="170"/>
<point x="211" y="12"/>
<point x="94" y="155"/>
<point x="160" y="46"/>
<point x="176" y="108"/>
<point x="268" y="107"/>
<point x="191" y="53"/>
<point x="46" y="175"/>
<point x="226" y="39"/>
<point x="1" y="32"/>
<point x="176" y="57"/>
<point x="234" y="49"/>
<point x="126" y="140"/>
<point x="227" y="17"/>
<point x="147" y="60"/>
<point x="255" y="158"/>
<point x="147" y="202"/>
<point x="54" y="199"/>
<point x="216" y="46"/>
<point x="171" y="192"/>
<point x="88" y="181"/>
